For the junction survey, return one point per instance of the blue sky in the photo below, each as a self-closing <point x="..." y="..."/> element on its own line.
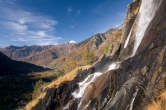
<point x="51" y="22"/>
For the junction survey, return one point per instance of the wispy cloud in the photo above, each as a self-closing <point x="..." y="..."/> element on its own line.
<point x="27" y="26"/>
<point x="7" y="1"/>
<point x="69" y="10"/>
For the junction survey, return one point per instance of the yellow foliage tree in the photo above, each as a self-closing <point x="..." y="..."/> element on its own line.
<point x="69" y="64"/>
<point x="88" y="57"/>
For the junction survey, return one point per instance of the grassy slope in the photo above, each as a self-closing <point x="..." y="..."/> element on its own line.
<point x="67" y="77"/>
<point x="159" y="103"/>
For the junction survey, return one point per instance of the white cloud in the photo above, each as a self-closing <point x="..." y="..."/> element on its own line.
<point x="69" y="10"/>
<point x="21" y="21"/>
<point x="22" y="17"/>
<point x="15" y="26"/>
<point x="47" y="26"/>
<point x="27" y="26"/>
<point x="52" y="41"/>
<point x="41" y="33"/>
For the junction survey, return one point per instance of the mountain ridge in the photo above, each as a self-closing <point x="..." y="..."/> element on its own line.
<point x="43" y="55"/>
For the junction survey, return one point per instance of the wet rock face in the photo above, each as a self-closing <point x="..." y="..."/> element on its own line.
<point x="155" y="35"/>
<point x="132" y="85"/>
<point x="132" y="13"/>
<point x="128" y="25"/>
<point x="124" y="96"/>
<point x="135" y="73"/>
<point x="145" y="26"/>
<point x="96" y="93"/>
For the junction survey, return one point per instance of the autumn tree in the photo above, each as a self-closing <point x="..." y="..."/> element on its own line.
<point x="88" y="57"/>
<point x="107" y="47"/>
<point x="69" y="64"/>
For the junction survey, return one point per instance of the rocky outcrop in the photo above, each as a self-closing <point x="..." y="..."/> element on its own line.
<point x="98" y="42"/>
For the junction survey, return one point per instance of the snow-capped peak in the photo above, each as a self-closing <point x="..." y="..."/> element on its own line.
<point x="72" y="42"/>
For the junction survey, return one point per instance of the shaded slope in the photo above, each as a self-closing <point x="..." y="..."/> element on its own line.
<point x="11" y="67"/>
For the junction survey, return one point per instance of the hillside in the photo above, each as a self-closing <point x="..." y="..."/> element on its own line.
<point x="18" y="53"/>
<point x="11" y="67"/>
<point x="39" y="55"/>
<point x="45" y="57"/>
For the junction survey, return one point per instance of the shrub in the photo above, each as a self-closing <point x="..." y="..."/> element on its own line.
<point x="107" y="47"/>
<point x="37" y="89"/>
<point x="60" y="73"/>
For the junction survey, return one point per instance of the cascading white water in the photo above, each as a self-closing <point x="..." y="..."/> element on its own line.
<point x="83" y="85"/>
<point x="128" y="38"/>
<point x="146" y="14"/>
<point x="114" y="66"/>
<point x="91" y="78"/>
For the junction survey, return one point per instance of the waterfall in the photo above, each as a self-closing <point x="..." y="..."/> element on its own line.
<point x="146" y="13"/>
<point x="114" y="66"/>
<point x="91" y="78"/>
<point x="128" y="38"/>
<point x="83" y="85"/>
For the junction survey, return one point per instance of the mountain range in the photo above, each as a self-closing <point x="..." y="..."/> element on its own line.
<point x="44" y="55"/>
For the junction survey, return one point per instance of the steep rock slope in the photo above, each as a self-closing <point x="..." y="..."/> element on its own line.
<point x="98" y="42"/>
